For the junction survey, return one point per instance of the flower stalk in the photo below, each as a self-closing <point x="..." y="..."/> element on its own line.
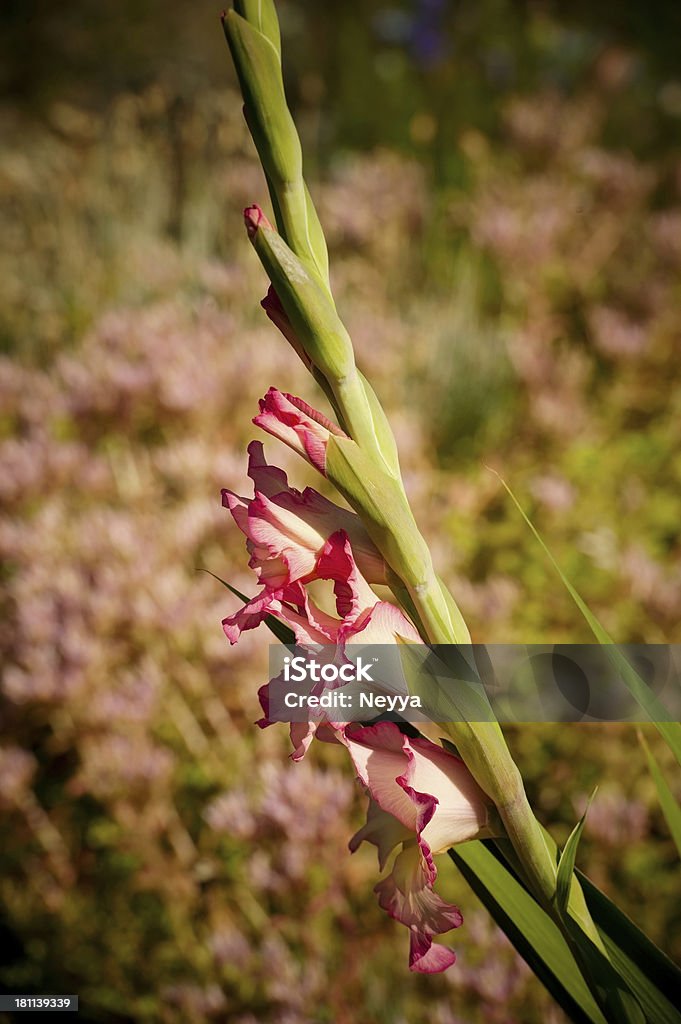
<point x="365" y="471"/>
<point x="361" y="458"/>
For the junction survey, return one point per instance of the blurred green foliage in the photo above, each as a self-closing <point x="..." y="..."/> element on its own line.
<point x="502" y="199"/>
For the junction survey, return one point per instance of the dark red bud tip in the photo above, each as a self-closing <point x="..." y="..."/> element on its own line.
<point x="254" y="217"/>
<point x="272" y="303"/>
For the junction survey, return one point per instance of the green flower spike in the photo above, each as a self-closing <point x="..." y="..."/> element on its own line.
<point x="256" y="51"/>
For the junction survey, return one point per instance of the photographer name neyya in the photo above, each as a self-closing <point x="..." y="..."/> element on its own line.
<point x="303" y="670"/>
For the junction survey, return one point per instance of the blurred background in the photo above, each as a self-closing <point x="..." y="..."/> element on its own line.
<point x="501" y="187"/>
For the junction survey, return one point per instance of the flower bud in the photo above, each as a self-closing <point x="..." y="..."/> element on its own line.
<point x="308" y="306"/>
<point x="255" y="46"/>
<point x="298" y="425"/>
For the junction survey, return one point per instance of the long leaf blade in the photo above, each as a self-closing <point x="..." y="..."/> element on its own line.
<point x="534" y="935"/>
<point x="649" y="973"/>
<point x="654" y="709"/>
<point x="653" y="978"/>
<point x="668" y="803"/>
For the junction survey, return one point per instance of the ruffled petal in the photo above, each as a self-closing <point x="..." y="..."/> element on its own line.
<point x="238" y="506"/>
<point x="462" y="807"/>
<point x="273" y="573"/>
<point x="408" y="896"/>
<point x="384" y="623"/>
<point x="284" y="535"/>
<point x="428" y="790"/>
<point x="267" y="602"/>
<point x="381" y="829"/>
<point x="291" y="605"/>
<point x="267" y="479"/>
<point x="428" y="957"/>
<point x="377" y="752"/>
<point x="302" y="734"/>
<point x="286" y="530"/>
<point x="353" y="594"/>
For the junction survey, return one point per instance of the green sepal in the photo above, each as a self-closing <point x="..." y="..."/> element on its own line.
<point x="448" y="685"/>
<point x="379" y="498"/>
<point x="405" y="601"/>
<point x="316" y="239"/>
<point x="668" y="802"/>
<point x="262" y="14"/>
<point x="382" y="428"/>
<point x="326" y="343"/>
<point x="459" y="627"/>
<point x="258" y="68"/>
<point x="308" y="306"/>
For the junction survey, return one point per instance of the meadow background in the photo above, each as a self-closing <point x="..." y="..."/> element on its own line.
<point x="501" y="188"/>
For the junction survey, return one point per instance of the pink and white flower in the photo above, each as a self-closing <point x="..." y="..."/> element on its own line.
<point x="362" y="618"/>
<point x="298" y="425"/>
<point x="359" y="609"/>
<point x="287" y="530"/>
<point x="407" y="894"/>
<point x="424" y="798"/>
<point x="430" y="791"/>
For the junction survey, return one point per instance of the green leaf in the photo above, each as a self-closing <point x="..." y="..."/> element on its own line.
<point x="566" y="864"/>
<point x="654" y="709"/>
<point x="649" y="973"/>
<point x="621" y="993"/>
<point x="534" y="935"/>
<point x="382" y="428"/>
<point x="668" y="802"/>
<point x="280" y="630"/>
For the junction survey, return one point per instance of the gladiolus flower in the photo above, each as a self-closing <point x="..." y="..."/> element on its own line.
<point x="362" y="615"/>
<point x="362" y="619"/>
<point x="430" y="791"/>
<point x="298" y="425"/>
<point x="425" y="798"/>
<point x="286" y="530"/>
